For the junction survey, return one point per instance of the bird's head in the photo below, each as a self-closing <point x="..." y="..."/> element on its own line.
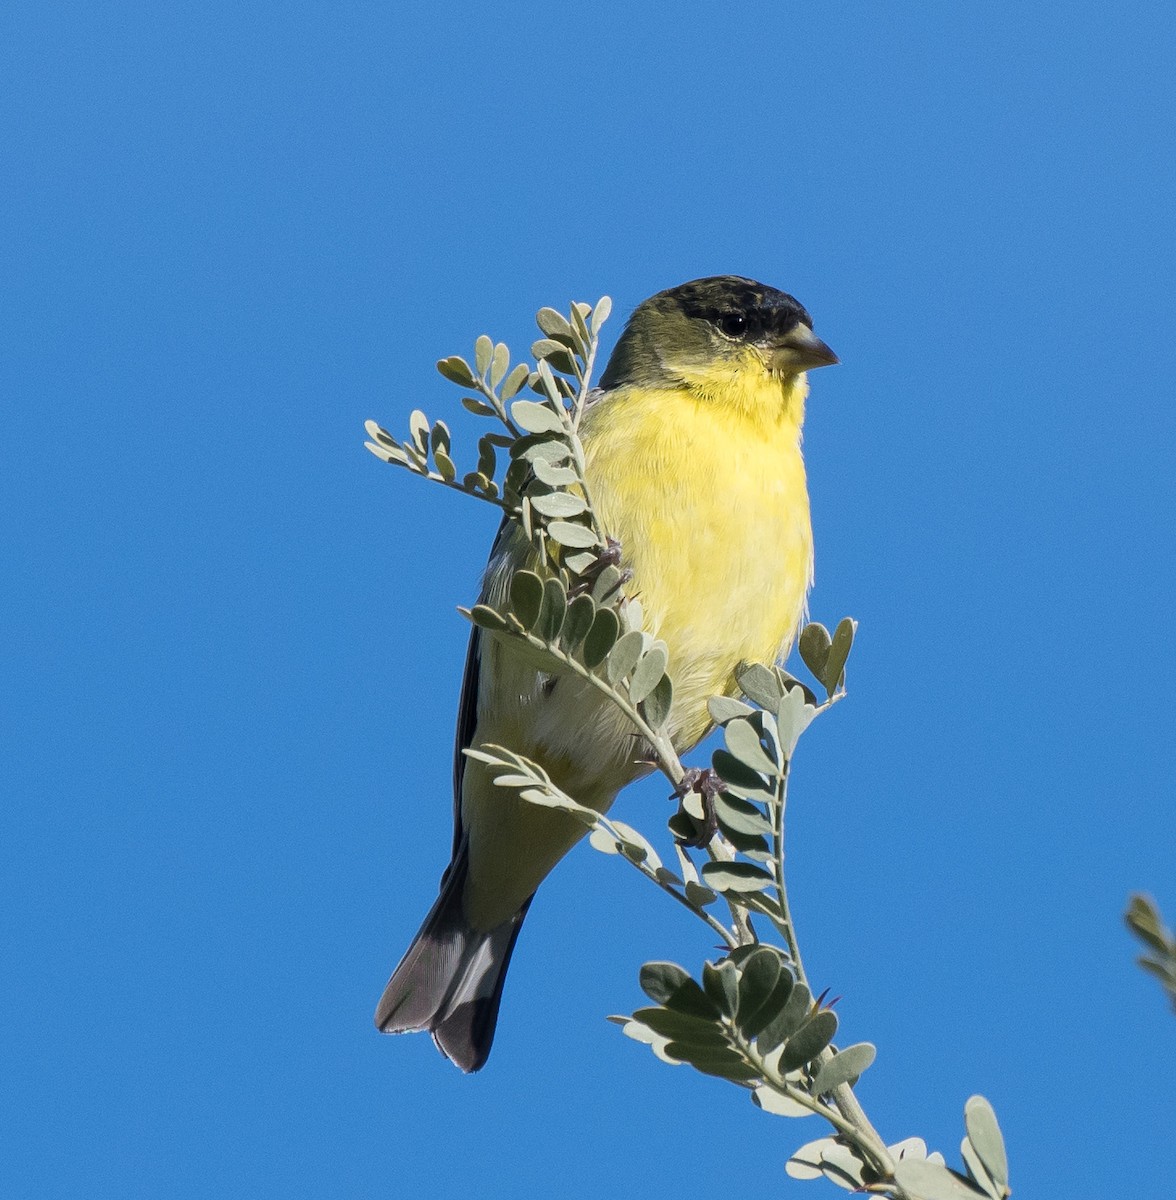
<point x="710" y="335"/>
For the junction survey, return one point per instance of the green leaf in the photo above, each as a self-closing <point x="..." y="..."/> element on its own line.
<point x="766" y="1097"/>
<point x="683" y="1027"/>
<point x="483" y="352"/>
<point x="498" y="364"/>
<point x="439" y="437"/>
<point x="548" y="473"/>
<point x="487" y="459"/>
<point x="843" y="1167"/>
<point x="556" y="353"/>
<point x="759" y="1023"/>
<point x="418" y="427"/>
<point x="486" y="618"/>
<point x="743" y="742"/>
<point x="722" y="1062"/>
<point x="648" y="672"/>
<point x="720" y="981"/>
<point x="689" y="998"/>
<point x="559" y="504"/>
<point x="607" y="584"/>
<point x="844" y="1067"/>
<point x="535" y="417"/>
<point x="445" y="467"/>
<point x="514" y="381"/>
<point x="809" y="1040"/>
<point x="578" y="537"/>
<point x="699" y="895"/>
<point x="624" y="655"/>
<point x="985" y="1136"/>
<point x="735" y="877"/>
<point x="814" y="646"/>
<point x="656" y="706"/>
<point x="660" y="980"/>
<point x="927" y="1180"/>
<point x="600" y="313"/>
<point x="736" y="773"/>
<point x="456" y="370"/>
<point x="555" y="325"/>
<point x="795" y="1009"/>
<point x="551" y="611"/>
<point x="389" y="454"/>
<point x="478" y="407"/>
<point x="601" y="637"/>
<point x="533" y="446"/>
<point x="578" y="621"/>
<point x="977" y="1173"/>
<point x="806" y="1162"/>
<point x="526" y="597"/>
<point x="759" y="685"/>
<point x="793" y="717"/>
<point x="838" y="654"/>
<point x="759" y="974"/>
<point x="740" y="816"/>
<point x="725" y="708"/>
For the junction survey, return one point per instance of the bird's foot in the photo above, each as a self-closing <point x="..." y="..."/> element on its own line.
<point x="707" y="785"/>
<point x="610" y="556"/>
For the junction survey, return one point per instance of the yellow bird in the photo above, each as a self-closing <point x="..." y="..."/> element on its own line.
<point x="692" y="449"/>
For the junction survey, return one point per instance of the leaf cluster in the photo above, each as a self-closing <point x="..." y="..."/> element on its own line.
<point x="917" y="1173"/>
<point x="1144" y="920"/>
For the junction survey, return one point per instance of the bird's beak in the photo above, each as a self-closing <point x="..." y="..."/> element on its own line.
<point x="800" y="350"/>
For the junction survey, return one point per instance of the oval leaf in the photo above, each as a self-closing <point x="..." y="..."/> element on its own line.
<point x="656" y="706"/>
<point x="601" y="637"/>
<point x="735" y="877"/>
<point x="456" y="370"/>
<point x="985" y="1136"/>
<point x="772" y="1101"/>
<point x="648" y="673"/>
<point x="551" y="610"/>
<point x="930" y="1181"/>
<point x="577" y="537"/>
<point x="558" y="504"/>
<point x="526" y="597"/>
<point x="743" y="741"/>
<point x="535" y="417"/>
<point x="809" y="1040"/>
<point x="624" y="655"/>
<point x="813" y="644"/>
<point x="578" y="621"/>
<point x="844" y="1067"/>
<point x="759" y="685"/>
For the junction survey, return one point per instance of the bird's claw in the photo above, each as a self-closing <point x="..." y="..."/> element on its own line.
<point x="707" y="785"/>
<point x="610" y="556"/>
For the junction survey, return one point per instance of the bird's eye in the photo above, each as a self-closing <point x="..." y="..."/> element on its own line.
<point x="733" y="324"/>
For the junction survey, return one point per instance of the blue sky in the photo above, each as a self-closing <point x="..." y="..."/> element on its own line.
<point x="231" y="655"/>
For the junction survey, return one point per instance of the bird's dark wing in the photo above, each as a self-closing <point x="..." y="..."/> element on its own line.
<point x="467" y="720"/>
<point x="467" y="707"/>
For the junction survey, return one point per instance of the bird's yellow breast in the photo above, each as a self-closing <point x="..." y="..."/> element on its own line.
<point x="705" y="488"/>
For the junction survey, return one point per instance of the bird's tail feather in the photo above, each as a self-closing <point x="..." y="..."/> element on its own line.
<point x="450" y="980"/>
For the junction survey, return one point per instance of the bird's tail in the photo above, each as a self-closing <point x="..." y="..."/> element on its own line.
<point x="450" y="980"/>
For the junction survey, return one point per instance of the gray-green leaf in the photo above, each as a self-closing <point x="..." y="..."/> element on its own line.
<point x="535" y="417"/>
<point x="984" y="1134"/>
<point x="526" y="596"/>
<point x="843" y="1067"/>
<point x="930" y="1181"/>
<point x="648" y="673"/>
<point x="456" y="370"/>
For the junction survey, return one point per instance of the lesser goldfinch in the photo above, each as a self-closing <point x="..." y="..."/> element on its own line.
<point x="692" y="450"/>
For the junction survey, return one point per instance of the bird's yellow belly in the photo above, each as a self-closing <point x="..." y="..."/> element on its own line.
<point x="714" y="524"/>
